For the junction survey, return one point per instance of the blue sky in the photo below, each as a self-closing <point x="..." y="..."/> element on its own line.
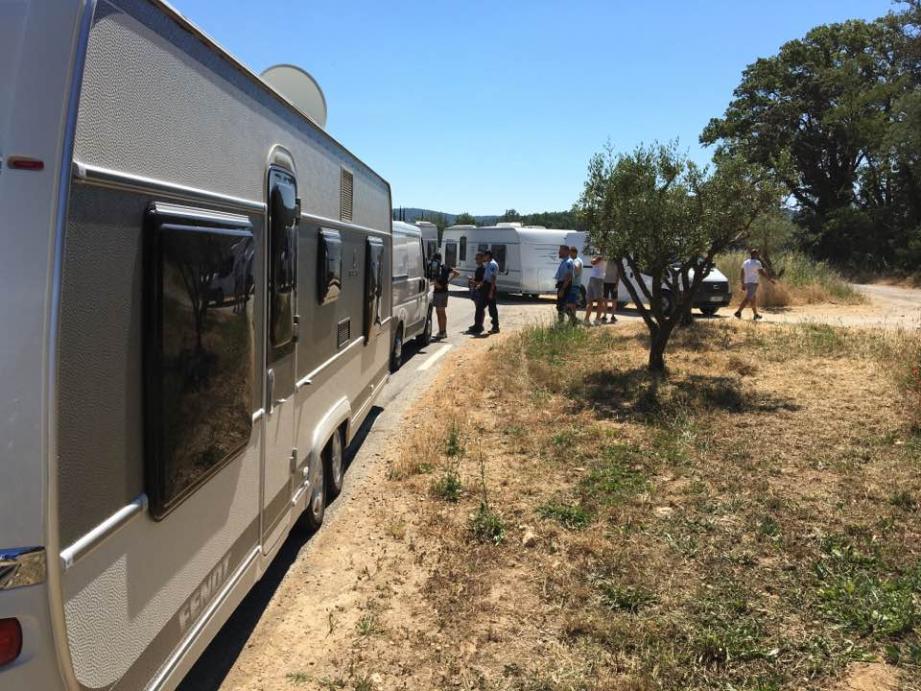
<point x="482" y="106"/>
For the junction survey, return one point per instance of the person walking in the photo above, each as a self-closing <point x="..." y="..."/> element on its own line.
<point x="444" y="274"/>
<point x="611" y="285"/>
<point x="479" y="306"/>
<point x="594" y="296"/>
<point x="488" y="289"/>
<point x="565" y="305"/>
<point x="751" y="273"/>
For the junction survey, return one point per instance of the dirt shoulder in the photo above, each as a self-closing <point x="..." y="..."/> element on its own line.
<point x="753" y="522"/>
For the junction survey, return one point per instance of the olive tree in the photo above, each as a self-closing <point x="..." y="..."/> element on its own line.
<point x="663" y="216"/>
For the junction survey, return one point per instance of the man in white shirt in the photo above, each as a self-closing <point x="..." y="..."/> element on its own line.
<point x="594" y="296"/>
<point x="488" y="290"/>
<point x="752" y="271"/>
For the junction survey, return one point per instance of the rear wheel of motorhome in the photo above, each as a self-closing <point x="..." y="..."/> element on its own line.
<point x="312" y="518"/>
<point x="709" y="310"/>
<point x="425" y="337"/>
<point x="396" y="353"/>
<point x="334" y="466"/>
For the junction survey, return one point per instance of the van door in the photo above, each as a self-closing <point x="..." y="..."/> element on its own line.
<point x="450" y="257"/>
<point x="280" y="372"/>
<point x="417" y="279"/>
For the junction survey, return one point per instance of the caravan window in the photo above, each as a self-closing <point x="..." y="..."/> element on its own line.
<point x="482" y="247"/>
<point x="498" y="253"/>
<point x="374" y="283"/>
<point x="463" y="248"/>
<point x="282" y="259"/>
<point x="329" y="266"/>
<point x="199" y="353"/>
<point x="450" y="257"/>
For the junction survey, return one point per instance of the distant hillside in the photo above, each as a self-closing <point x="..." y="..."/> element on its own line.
<point x="550" y="219"/>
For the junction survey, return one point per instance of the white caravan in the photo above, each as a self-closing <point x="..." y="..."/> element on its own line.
<point x="528" y="256"/>
<point x="412" y="292"/>
<point x="429" y="238"/>
<point x="715" y="290"/>
<point x="196" y="322"/>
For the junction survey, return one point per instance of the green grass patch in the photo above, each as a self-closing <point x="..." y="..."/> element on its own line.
<point x="571" y="516"/>
<point x="616" y="476"/>
<point x="625" y="598"/>
<point x="449" y="485"/>
<point x="487" y="525"/>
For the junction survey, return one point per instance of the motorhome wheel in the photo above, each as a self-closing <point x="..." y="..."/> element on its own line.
<point x="426" y="336"/>
<point x="396" y="354"/>
<point x="709" y="310"/>
<point x="581" y="296"/>
<point x="332" y="459"/>
<point x="312" y="518"/>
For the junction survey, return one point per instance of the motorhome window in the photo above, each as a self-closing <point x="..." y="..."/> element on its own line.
<point x="374" y="284"/>
<point x="329" y="266"/>
<point x="463" y="249"/>
<point x="199" y="359"/>
<point x="282" y="261"/>
<point x="450" y="257"/>
<point x="482" y="247"/>
<point x="498" y="253"/>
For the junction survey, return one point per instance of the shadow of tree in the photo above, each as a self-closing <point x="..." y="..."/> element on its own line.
<point x="637" y="393"/>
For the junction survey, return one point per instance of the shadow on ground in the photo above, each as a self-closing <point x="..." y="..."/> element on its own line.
<point x="219" y="657"/>
<point x="637" y="393"/>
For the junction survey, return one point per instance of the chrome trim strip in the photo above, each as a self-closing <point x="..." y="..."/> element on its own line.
<point x="106" y="177"/>
<point x="304" y="381"/>
<point x="52" y="539"/>
<point x="86" y="544"/>
<point x="258" y="415"/>
<point x="334" y="224"/>
<point x="22" y="567"/>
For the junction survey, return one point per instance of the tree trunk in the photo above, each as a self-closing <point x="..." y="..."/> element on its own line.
<point x="657" y="343"/>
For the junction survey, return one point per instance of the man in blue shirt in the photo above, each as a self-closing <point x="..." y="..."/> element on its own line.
<point x="567" y="296"/>
<point x="488" y="290"/>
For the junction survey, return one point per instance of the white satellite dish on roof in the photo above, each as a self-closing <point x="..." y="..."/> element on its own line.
<point x="300" y="89"/>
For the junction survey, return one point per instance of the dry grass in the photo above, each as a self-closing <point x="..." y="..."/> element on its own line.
<point x="752" y="521"/>
<point x="802" y="281"/>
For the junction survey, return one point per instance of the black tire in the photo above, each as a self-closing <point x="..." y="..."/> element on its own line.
<point x="312" y="518"/>
<point x="425" y="337"/>
<point x="334" y="466"/>
<point x="396" y="349"/>
<point x="621" y="306"/>
<point x="709" y="310"/>
<point x="218" y="297"/>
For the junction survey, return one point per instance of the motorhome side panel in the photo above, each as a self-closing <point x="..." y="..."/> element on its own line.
<point x="164" y="117"/>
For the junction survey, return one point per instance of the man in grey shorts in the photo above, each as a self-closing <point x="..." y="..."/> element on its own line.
<point x="611" y="282"/>
<point x="594" y="295"/>
<point x="443" y="277"/>
<point x="751" y="273"/>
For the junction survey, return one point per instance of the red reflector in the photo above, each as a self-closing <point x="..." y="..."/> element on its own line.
<point x="25" y="163"/>
<point x="10" y="640"/>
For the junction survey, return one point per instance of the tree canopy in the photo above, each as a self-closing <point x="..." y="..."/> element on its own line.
<point x="834" y="116"/>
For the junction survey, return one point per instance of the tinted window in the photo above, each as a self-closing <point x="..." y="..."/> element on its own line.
<point x="329" y="268"/>
<point x="374" y="283"/>
<point x="482" y="247"/>
<point x="199" y="351"/>
<point x="498" y="253"/>
<point x="282" y="260"/>
<point x="450" y="257"/>
<point x="463" y="249"/>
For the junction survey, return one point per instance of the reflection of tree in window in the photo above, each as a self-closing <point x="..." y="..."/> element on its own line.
<point x="374" y="284"/>
<point x="282" y="256"/>
<point x="329" y="271"/>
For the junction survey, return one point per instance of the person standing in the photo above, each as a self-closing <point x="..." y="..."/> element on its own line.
<point x="751" y="273"/>
<point x="565" y="305"/>
<point x="577" y="266"/>
<point x="488" y="289"/>
<point x="479" y="306"/>
<point x="594" y="296"/>
<point x="444" y="274"/>
<point x="611" y="285"/>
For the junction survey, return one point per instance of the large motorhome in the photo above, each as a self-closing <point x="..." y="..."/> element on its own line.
<point x="527" y="255"/>
<point x="196" y="321"/>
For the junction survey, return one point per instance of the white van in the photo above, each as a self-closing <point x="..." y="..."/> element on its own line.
<point x="528" y="256"/>
<point x="197" y="319"/>
<point x="715" y="291"/>
<point x="412" y="291"/>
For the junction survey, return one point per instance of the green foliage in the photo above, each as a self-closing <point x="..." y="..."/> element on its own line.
<point x="571" y="516"/>
<point x="625" y="598"/>
<point x="836" y="116"/>
<point x="668" y="219"/>
<point x="486" y="525"/>
<point x="464" y="219"/>
<point x="448" y="486"/>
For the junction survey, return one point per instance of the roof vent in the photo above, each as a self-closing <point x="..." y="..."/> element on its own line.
<point x="299" y="89"/>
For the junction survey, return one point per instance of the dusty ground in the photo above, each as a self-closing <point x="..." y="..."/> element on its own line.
<point x="394" y="595"/>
